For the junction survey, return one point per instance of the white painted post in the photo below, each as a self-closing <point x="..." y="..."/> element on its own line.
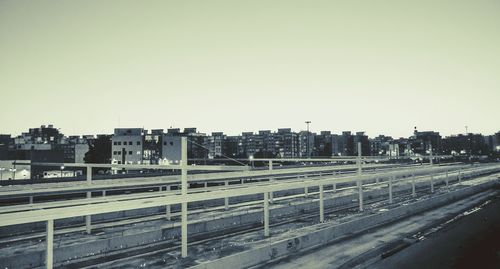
<point x="360" y="182"/>
<point x="184" y="206"/>
<point x="168" y="210"/>
<point x="413" y="193"/>
<point x="89" y="174"/>
<point x="390" y="189"/>
<point x="206" y="184"/>
<point x="104" y="193"/>
<point x="271" y="194"/>
<point x="334" y="187"/>
<point x="49" y="239"/>
<point x="306" y="190"/>
<point x="226" y="200"/>
<point x="321" y="205"/>
<point x="31" y="200"/>
<point x="88" y="218"/>
<point x="431" y="159"/>
<point x="432" y="183"/>
<point x="266" y="214"/>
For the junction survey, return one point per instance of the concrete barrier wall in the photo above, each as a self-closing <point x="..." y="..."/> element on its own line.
<point x="285" y="248"/>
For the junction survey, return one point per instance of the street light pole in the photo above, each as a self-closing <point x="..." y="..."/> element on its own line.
<point x="307" y="146"/>
<point x="13" y="170"/>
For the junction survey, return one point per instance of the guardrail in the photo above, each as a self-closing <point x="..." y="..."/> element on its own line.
<point x="97" y="206"/>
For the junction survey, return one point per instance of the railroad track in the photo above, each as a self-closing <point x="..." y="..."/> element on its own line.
<point x="164" y="247"/>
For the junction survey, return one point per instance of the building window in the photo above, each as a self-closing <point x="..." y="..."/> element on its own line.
<point x="164" y="143"/>
<point x="115" y="143"/>
<point x="119" y="162"/>
<point x="130" y="153"/>
<point x="114" y="152"/>
<point x="119" y="143"/>
<point x="119" y="153"/>
<point x="171" y="143"/>
<point x="138" y="143"/>
<point x="130" y="143"/>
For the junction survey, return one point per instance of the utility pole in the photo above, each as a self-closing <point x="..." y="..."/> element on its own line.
<point x="307" y="148"/>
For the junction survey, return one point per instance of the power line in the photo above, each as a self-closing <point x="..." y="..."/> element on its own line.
<point x="222" y="155"/>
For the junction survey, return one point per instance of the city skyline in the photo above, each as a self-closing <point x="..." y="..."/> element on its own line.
<point x="209" y="132"/>
<point x="382" y="68"/>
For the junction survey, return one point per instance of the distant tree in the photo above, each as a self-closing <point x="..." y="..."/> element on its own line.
<point x="264" y="154"/>
<point x="99" y="151"/>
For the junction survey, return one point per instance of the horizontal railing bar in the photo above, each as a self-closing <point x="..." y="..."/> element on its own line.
<point x="237" y="190"/>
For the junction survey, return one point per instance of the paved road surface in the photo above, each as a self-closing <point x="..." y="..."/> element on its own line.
<point x="471" y="242"/>
<point x="346" y="252"/>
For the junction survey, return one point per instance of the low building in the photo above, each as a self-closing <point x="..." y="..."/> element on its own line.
<point x="127" y="146"/>
<point x="171" y="148"/>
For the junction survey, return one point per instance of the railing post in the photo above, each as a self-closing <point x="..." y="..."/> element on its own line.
<point x="49" y="239"/>
<point x="460" y="175"/>
<point x="88" y="218"/>
<point x="184" y="206"/>
<point x="413" y="193"/>
<point x="432" y="183"/>
<point x="168" y="210"/>
<point x="306" y="189"/>
<point x="226" y="200"/>
<point x="446" y="179"/>
<point x="89" y="174"/>
<point x="390" y="189"/>
<point x="321" y="205"/>
<point x="431" y="158"/>
<point x="271" y="194"/>
<point x="266" y="214"/>
<point x="359" y="181"/>
<point x="31" y="199"/>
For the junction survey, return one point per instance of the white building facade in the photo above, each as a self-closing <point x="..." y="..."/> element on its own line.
<point x="127" y="146"/>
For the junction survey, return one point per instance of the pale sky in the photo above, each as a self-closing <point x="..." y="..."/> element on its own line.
<point x="375" y="66"/>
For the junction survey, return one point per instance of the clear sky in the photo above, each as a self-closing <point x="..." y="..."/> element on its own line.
<point x="376" y="66"/>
